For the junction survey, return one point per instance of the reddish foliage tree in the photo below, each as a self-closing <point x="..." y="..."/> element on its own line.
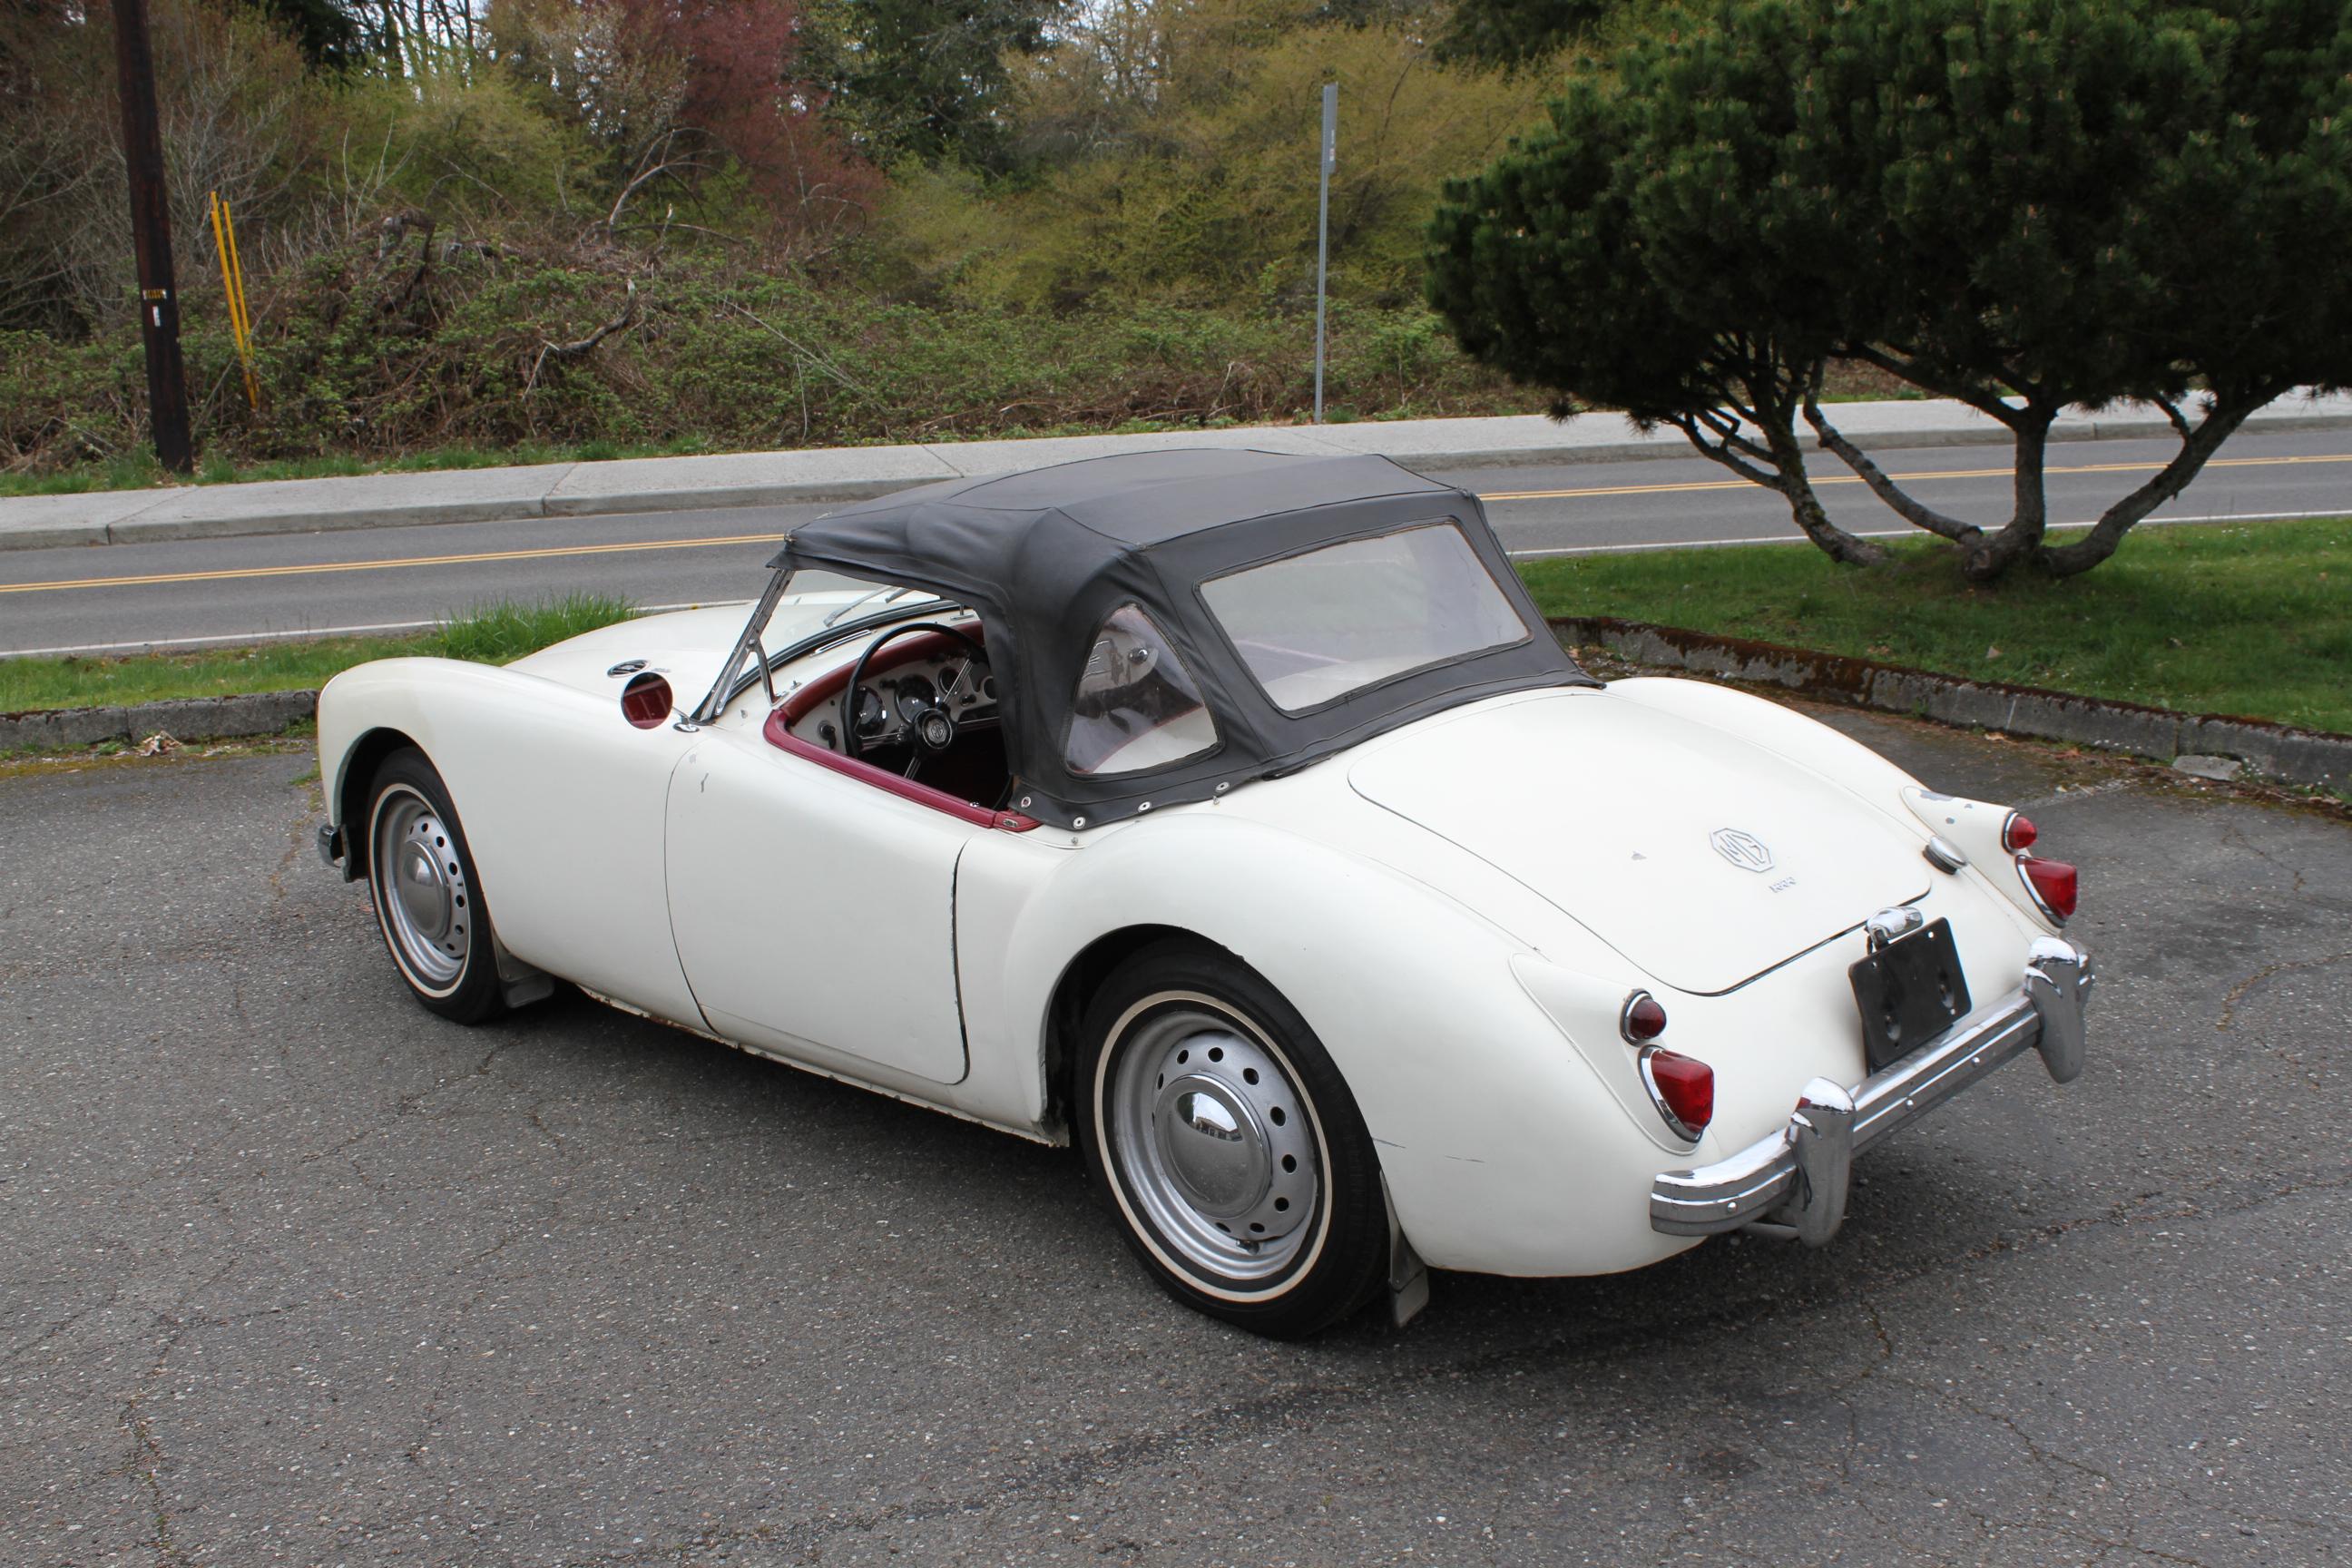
<point x="742" y="91"/>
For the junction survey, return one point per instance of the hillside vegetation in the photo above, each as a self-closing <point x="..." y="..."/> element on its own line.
<point x="733" y="223"/>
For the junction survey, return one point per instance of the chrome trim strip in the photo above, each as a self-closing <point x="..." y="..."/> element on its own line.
<point x="1797" y="1176"/>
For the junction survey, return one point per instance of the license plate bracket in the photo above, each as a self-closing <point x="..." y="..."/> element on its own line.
<point x="1908" y="992"/>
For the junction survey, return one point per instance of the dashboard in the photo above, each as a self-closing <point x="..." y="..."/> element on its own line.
<point x="890" y="701"/>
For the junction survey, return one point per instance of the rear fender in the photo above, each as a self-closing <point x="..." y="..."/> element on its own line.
<point x="1502" y="1150"/>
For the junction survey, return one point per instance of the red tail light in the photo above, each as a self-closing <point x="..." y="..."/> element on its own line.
<point x="1642" y="1020"/>
<point x="1683" y="1087"/>
<point x="2018" y="833"/>
<point x="2053" y="883"/>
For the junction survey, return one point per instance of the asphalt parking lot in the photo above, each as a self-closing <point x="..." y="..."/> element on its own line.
<point x="295" y="1272"/>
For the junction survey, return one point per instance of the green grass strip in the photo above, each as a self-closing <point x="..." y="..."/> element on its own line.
<point x="2253" y="619"/>
<point x="2249" y="619"/>
<point x="492" y="634"/>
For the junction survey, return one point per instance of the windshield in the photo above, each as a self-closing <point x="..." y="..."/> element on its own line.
<point x="802" y="611"/>
<point x="1313" y="629"/>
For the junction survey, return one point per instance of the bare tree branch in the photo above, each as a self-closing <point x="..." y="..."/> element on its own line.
<point x="1911" y="510"/>
<point x="1983" y="399"/>
<point x="1719" y="452"/>
<point x="2224" y="415"/>
<point x="549" y="349"/>
<point x="2179" y="421"/>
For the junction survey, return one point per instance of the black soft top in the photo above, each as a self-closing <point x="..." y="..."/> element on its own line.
<point x="1045" y="556"/>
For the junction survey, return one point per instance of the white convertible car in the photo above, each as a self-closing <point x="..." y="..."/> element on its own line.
<point x="1236" y="816"/>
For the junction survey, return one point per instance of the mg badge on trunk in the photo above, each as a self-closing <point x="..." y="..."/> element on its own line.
<point x="1744" y="850"/>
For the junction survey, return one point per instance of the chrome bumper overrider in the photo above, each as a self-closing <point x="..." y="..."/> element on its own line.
<point x="1796" y="1177"/>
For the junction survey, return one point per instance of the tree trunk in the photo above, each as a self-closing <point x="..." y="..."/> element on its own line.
<point x="1778" y="464"/>
<point x="1805" y="505"/>
<point x="2224" y="412"/>
<point x="2030" y="508"/>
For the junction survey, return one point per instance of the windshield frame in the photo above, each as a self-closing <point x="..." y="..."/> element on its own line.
<point x="735" y="678"/>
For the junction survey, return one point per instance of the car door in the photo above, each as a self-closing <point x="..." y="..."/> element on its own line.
<point x="814" y="908"/>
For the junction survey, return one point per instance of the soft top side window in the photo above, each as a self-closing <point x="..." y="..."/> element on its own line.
<point x="1318" y="626"/>
<point x="1137" y="706"/>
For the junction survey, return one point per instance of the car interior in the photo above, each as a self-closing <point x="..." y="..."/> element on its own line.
<point x="923" y="705"/>
<point x="926" y="710"/>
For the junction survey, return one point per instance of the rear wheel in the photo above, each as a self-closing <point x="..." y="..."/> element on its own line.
<point x="1227" y="1143"/>
<point x="428" y="900"/>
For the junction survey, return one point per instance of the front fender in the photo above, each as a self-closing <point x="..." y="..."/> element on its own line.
<point x="563" y="801"/>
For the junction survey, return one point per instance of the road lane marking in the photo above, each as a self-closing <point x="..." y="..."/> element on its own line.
<point x="1694" y="486"/>
<point x="241" y="573"/>
<point x="236" y="573"/>
<point x="1793" y="537"/>
<point x="298" y="634"/>
<point x="170" y="645"/>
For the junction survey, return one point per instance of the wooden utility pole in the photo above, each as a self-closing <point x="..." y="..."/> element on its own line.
<point x="151" y="236"/>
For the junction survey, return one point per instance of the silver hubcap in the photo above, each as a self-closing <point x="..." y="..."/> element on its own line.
<point x="1214" y="1143"/>
<point x="421" y="893"/>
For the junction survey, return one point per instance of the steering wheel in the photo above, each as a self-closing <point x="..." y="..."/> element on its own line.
<point x="933" y="729"/>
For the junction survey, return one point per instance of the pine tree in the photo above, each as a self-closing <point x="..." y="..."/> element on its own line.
<point x="2024" y="204"/>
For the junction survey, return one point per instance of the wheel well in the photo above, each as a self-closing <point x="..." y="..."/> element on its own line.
<point x="1084" y="976"/>
<point x="350" y="802"/>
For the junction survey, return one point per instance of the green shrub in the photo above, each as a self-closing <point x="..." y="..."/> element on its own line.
<point x="369" y="361"/>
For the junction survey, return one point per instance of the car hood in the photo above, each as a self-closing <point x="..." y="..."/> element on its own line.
<point x="687" y="645"/>
<point x="1703" y="859"/>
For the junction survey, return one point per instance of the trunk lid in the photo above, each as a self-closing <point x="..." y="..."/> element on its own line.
<point x="1704" y="859"/>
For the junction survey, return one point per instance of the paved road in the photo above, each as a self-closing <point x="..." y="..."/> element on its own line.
<point x="297" y="1273"/>
<point x="235" y="589"/>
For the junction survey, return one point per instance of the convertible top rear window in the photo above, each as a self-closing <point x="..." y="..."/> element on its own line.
<point x="1315" y="627"/>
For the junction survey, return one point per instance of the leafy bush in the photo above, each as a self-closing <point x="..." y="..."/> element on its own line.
<point x="1176" y="161"/>
<point x="372" y="359"/>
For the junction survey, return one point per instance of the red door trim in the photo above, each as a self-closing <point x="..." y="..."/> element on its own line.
<point x="883" y="779"/>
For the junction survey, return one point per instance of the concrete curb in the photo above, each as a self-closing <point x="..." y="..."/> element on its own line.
<point x="823" y="476"/>
<point x="183" y="719"/>
<point x="2274" y="751"/>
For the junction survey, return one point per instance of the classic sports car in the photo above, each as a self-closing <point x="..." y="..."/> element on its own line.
<point x="1236" y="816"/>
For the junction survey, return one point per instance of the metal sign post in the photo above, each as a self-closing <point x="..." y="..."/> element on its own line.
<point x="1323" y="232"/>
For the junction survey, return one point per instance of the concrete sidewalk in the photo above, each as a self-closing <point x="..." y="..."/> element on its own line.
<point x="850" y="473"/>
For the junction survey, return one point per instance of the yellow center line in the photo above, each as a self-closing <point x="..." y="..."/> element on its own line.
<point x="238" y="574"/>
<point x="1690" y="486"/>
<point x="232" y="573"/>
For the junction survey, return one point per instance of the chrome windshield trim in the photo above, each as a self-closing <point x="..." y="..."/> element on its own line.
<point x="735" y="678"/>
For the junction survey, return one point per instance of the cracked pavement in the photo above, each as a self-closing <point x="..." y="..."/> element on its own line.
<point x="291" y="1271"/>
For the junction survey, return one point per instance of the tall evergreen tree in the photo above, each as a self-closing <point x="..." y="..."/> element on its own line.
<point x="328" y="32"/>
<point x="926" y="79"/>
<point x="1517" y="33"/>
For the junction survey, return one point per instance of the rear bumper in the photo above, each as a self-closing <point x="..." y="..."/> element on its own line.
<point x="1796" y="1177"/>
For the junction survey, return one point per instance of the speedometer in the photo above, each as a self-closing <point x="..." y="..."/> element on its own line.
<point x="913" y="697"/>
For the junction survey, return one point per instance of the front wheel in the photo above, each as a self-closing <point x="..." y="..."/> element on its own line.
<point x="428" y="900"/>
<point x="1227" y="1143"/>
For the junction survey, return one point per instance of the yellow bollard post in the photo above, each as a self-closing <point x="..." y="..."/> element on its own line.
<point x="240" y="324"/>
